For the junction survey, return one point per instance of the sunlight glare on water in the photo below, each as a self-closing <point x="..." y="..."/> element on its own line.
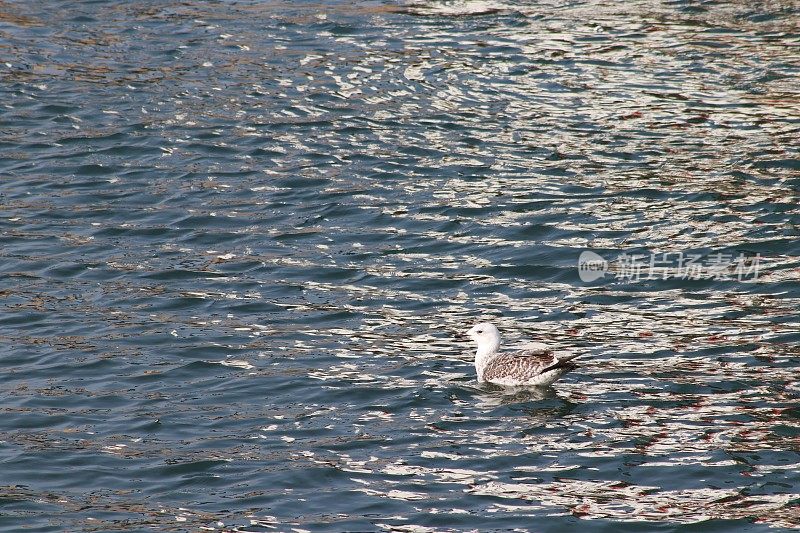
<point x="240" y="240"/>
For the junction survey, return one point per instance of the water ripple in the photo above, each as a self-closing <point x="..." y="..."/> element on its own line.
<point x="238" y="242"/>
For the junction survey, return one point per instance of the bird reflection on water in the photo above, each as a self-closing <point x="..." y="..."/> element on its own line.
<point x="525" y="399"/>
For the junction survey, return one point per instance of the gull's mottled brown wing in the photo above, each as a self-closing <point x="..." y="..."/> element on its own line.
<point x="521" y="366"/>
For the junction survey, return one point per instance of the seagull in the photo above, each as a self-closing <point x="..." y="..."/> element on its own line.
<point x="539" y="367"/>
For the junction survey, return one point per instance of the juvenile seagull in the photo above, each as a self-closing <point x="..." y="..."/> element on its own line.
<point x="525" y="367"/>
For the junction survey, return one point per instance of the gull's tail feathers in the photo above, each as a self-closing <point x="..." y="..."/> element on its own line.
<point x="562" y="361"/>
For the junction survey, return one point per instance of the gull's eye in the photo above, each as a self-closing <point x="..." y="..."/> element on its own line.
<point x="480" y="331"/>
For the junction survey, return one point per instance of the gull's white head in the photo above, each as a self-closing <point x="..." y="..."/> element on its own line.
<point x="486" y="336"/>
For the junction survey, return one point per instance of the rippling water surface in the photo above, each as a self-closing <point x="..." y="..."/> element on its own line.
<point x="238" y="239"/>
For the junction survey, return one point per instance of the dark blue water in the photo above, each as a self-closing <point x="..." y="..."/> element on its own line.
<point x="239" y="238"/>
